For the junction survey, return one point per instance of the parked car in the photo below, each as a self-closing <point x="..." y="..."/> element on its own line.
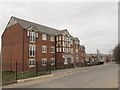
<point x="101" y="61"/>
<point x="91" y="63"/>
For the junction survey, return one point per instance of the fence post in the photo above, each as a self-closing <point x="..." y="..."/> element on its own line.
<point x="47" y="66"/>
<point x="36" y="68"/>
<point x="50" y="67"/>
<point x="16" y="69"/>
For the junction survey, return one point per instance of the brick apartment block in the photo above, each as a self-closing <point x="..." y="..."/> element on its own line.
<point x="27" y="43"/>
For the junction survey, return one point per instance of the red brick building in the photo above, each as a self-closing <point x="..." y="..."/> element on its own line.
<point x="83" y="55"/>
<point x="27" y="43"/>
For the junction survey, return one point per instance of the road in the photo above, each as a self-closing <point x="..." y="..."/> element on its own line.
<point x="101" y="76"/>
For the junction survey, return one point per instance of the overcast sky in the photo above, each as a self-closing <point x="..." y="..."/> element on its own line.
<point x="94" y="23"/>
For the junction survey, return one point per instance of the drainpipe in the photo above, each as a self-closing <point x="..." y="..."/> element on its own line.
<point x="11" y="56"/>
<point x="55" y="53"/>
<point x="23" y="51"/>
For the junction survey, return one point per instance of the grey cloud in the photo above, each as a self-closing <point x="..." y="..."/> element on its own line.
<point x="89" y="21"/>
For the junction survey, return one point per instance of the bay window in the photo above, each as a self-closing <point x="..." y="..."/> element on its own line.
<point x="32" y="37"/>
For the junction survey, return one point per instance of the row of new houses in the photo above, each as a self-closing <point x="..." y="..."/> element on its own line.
<point x="27" y="43"/>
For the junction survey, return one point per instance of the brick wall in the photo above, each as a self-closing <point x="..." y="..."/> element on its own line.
<point x="12" y="47"/>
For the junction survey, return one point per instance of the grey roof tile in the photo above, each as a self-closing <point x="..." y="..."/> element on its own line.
<point x="41" y="28"/>
<point x="44" y="29"/>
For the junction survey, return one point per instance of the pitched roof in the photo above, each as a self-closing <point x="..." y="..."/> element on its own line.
<point x="44" y="29"/>
<point x="82" y="46"/>
<point x="26" y="24"/>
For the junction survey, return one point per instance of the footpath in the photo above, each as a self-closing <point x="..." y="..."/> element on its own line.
<point x="53" y="74"/>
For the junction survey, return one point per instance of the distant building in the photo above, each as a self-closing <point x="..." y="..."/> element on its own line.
<point x="107" y="57"/>
<point x="91" y="57"/>
<point x="27" y="43"/>
<point x="83" y="55"/>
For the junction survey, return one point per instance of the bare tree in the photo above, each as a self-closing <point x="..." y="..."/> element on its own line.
<point x="116" y="54"/>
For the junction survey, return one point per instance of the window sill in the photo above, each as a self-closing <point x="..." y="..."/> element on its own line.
<point x="52" y="52"/>
<point x="32" y="66"/>
<point x="65" y="63"/>
<point x="32" y="42"/>
<point x="44" y="52"/>
<point x="44" y="65"/>
<point x="32" y="56"/>
<point x="52" y="64"/>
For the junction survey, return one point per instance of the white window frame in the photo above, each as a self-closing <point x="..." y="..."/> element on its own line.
<point x="63" y="38"/>
<point x="69" y="45"/>
<point x="28" y="33"/>
<point x="37" y="35"/>
<point x="32" y="61"/>
<point x="63" y="43"/>
<point x="66" y="61"/>
<point x="44" y="59"/>
<point x="76" y="42"/>
<point x="76" y="50"/>
<point x="63" y="49"/>
<point x="77" y="60"/>
<point x="52" y="60"/>
<point x="66" y="38"/>
<point x="44" y="49"/>
<point x="32" y="50"/>
<point x="60" y="49"/>
<point x="60" y="38"/>
<point x="32" y="37"/>
<point x="71" y="50"/>
<point x="56" y="49"/>
<point x="56" y="38"/>
<point x="44" y="36"/>
<point x="52" y="47"/>
<point x="52" y="38"/>
<point x="71" y="42"/>
<point x="69" y="39"/>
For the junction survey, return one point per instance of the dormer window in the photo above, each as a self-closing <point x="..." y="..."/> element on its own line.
<point x="32" y="34"/>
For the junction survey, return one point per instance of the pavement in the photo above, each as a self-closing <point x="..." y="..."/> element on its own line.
<point x="54" y="73"/>
<point x="104" y="76"/>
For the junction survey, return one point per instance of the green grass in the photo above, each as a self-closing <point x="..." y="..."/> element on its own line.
<point x="0" y="77"/>
<point x="25" y="75"/>
<point x="8" y="77"/>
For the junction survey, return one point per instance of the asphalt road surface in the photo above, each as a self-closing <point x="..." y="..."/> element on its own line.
<point x="101" y="76"/>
